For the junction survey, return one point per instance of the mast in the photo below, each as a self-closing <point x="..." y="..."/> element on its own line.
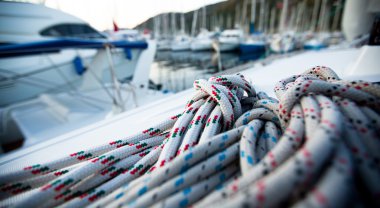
<point x="300" y="12"/>
<point x="292" y="18"/>
<point x="157" y="24"/>
<point x="338" y="12"/>
<point x="212" y="22"/>
<point x="194" y="25"/>
<point x="306" y="18"/>
<point x="266" y="22"/>
<point x="173" y="24"/>
<point x="182" y="23"/>
<point x="220" y="21"/>
<point x="262" y="13"/>
<point x="237" y="16"/>
<point x="315" y="14"/>
<point x="229" y="21"/>
<point x="165" y="25"/>
<point x="272" y="19"/>
<point x="204" y="17"/>
<point x="253" y="16"/>
<point x="284" y="14"/>
<point x="322" y="14"/>
<point x="244" y="16"/>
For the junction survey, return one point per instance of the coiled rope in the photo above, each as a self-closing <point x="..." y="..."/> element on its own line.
<point x="230" y="147"/>
<point x="85" y="176"/>
<point x="336" y="120"/>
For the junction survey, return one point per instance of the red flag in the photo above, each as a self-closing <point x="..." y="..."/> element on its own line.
<point x="115" y="27"/>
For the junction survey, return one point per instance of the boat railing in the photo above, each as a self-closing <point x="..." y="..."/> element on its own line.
<point x="46" y="48"/>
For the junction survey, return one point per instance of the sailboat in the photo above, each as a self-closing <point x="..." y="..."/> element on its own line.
<point x="319" y="41"/>
<point x="164" y="41"/>
<point x="285" y="41"/>
<point x="255" y="42"/>
<point x="182" y="41"/>
<point x="203" y="41"/>
<point x="229" y="40"/>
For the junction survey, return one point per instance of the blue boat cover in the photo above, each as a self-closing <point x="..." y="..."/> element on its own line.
<point x="55" y="45"/>
<point x="78" y="65"/>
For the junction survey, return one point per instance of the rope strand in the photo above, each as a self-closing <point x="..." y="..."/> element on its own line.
<point x="230" y="147"/>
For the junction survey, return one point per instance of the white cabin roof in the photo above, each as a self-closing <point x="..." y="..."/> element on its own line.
<point x="234" y="32"/>
<point x="21" y="22"/>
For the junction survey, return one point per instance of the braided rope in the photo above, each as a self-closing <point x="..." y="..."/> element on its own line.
<point x="283" y="149"/>
<point x="335" y="119"/>
<point x="81" y="177"/>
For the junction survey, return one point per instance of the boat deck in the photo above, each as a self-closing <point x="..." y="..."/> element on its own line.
<point x="263" y="78"/>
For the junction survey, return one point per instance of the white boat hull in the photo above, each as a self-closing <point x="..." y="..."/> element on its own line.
<point x="201" y="46"/>
<point x="180" y="46"/>
<point x="225" y="46"/>
<point x="163" y="45"/>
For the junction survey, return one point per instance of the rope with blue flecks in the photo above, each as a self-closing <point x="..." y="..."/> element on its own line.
<point x="107" y="167"/>
<point x="255" y="163"/>
<point x="327" y="156"/>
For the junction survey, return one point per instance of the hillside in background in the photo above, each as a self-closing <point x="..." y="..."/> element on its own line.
<point x="228" y="14"/>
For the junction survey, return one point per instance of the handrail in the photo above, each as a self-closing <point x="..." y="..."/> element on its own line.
<point x="55" y="45"/>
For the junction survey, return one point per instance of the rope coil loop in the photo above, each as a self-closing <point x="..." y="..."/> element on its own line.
<point x="317" y="145"/>
<point x="324" y="117"/>
<point x="80" y="178"/>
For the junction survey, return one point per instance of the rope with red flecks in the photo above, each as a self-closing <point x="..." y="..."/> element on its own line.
<point x="328" y="159"/>
<point x="128" y="159"/>
<point x="274" y="154"/>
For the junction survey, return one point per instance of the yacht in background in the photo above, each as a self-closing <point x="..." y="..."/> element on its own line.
<point x="164" y="44"/>
<point x="229" y="40"/>
<point x="314" y="44"/>
<point x="255" y="43"/>
<point x="181" y="42"/>
<point x="283" y="43"/>
<point x="203" y="41"/>
<point x="323" y="40"/>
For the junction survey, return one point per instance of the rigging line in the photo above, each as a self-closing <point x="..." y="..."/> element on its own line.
<point x="37" y="79"/>
<point x="36" y="71"/>
<point x="118" y="97"/>
<point x="74" y="90"/>
<point x="102" y="85"/>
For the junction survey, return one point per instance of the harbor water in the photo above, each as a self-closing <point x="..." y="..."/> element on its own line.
<point x="176" y="71"/>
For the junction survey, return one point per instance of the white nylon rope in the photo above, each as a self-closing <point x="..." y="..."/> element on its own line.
<point x="177" y="166"/>
<point x="114" y="154"/>
<point x="338" y="126"/>
<point x="283" y="148"/>
<point x="80" y="156"/>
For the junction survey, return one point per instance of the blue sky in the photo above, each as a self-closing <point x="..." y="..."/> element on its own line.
<point x="127" y="13"/>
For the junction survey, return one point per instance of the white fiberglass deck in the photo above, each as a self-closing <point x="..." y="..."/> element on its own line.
<point x="263" y="78"/>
